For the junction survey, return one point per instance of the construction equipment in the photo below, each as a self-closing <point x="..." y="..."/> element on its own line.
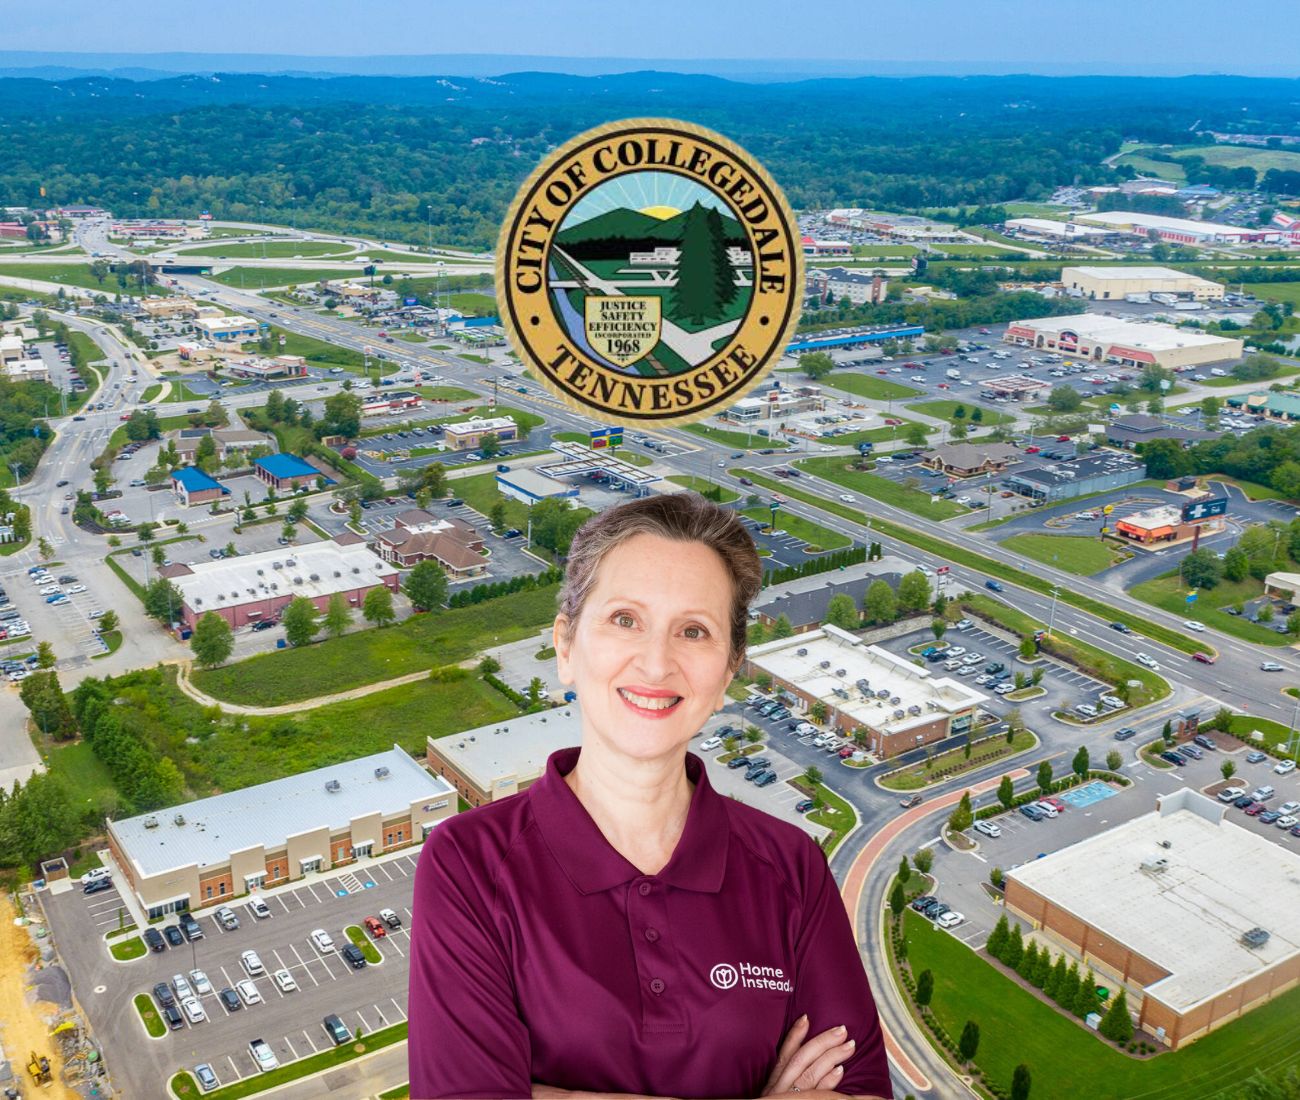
<point x="38" y="1069"/>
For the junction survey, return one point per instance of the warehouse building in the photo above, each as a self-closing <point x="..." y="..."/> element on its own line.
<point x="1115" y="283"/>
<point x="493" y="762"/>
<point x="257" y="587"/>
<point x="1067" y="480"/>
<point x="899" y="705"/>
<point x="214" y="849"/>
<point x="1158" y="905"/>
<point x="1048" y="228"/>
<point x="1130" y="343"/>
<point x="1180" y="230"/>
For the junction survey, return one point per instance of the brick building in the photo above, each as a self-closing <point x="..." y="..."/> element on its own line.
<point x="192" y="486"/>
<point x="420" y="536"/>
<point x="215" y="849"/>
<point x="285" y="473"/>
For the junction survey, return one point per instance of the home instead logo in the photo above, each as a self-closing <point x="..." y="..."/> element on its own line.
<point x="749" y="976"/>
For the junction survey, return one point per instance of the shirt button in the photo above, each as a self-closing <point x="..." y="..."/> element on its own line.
<point x="644" y="888"/>
<point x="656" y="985"/>
<point x="652" y="934"/>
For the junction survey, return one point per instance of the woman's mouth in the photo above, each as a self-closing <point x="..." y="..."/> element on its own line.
<point x="651" y="705"/>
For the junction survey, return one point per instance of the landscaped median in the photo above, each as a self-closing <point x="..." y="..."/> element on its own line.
<point x="943" y="767"/>
<point x="183" y="1084"/>
<point x="837" y="468"/>
<point x="149" y="1016"/>
<point x="124" y="950"/>
<point x="835" y="814"/>
<point x="368" y="949"/>
<point x="993" y="568"/>
<point x="817" y="537"/>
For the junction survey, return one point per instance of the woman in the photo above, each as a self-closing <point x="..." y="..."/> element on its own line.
<point x="620" y="927"/>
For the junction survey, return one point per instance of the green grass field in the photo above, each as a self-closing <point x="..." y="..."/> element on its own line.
<point x="982" y="251"/>
<point x="478" y="305"/>
<point x="1168" y="592"/>
<point x="257" y="278"/>
<point x="731" y="438"/>
<point x="445" y="393"/>
<point x="1066" y="1060"/>
<point x="887" y="433"/>
<point x="75" y="275"/>
<point x="480" y="492"/>
<point x="150" y="393"/>
<point x="816" y="536"/>
<point x="1161" y="169"/>
<point x="1074" y="554"/>
<point x="274" y="249"/>
<point x="944" y="410"/>
<point x="1276" y="292"/>
<point x="700" y="485"/>
<point x="424" y="641"/>
<point x="1035" y="210"/>
<point x="870" y="386"/>
<point x="835" y="468"/>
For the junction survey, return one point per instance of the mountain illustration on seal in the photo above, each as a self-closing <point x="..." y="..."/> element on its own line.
<point x="697" y="261"/>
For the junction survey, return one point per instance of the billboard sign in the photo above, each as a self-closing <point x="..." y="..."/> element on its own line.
<point x="1205" y="509"/>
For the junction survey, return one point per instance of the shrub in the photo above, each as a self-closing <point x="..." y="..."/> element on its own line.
<point x="924" y="988"/>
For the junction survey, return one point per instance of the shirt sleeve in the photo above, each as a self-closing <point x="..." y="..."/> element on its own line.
<point x="465" y="1037"/>
<point x="831" y="982"/>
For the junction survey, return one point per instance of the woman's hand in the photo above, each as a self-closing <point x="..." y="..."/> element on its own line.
<point x="805" y="1064"/>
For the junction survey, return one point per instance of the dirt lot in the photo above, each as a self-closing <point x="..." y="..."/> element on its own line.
<point x="22" y="1026"/>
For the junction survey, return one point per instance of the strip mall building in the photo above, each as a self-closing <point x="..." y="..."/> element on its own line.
<point x="1130" y="343"/>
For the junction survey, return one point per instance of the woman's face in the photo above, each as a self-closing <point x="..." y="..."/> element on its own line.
<point x="649" y="655"/>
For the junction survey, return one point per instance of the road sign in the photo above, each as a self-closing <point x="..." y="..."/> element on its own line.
<point x="1108" y="509"/>
<point x="1205" y="508"/>
<point x="1191" y="597"/>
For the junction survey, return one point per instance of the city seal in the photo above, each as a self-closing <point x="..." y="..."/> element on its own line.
<point x="649" y="271"/>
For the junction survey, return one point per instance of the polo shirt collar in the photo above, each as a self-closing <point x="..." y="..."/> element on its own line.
<point x="591" y="863"/>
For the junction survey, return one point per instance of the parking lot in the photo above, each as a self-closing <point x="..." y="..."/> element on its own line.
<point x="1092" y="807"/>
<point x="365" y="999"/>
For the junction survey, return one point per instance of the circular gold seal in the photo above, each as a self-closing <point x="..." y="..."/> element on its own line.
<point x="649" y="271"/>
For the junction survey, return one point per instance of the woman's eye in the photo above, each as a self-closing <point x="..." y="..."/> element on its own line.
<point x="695" y="632"/>
<point x="624" y="619"/>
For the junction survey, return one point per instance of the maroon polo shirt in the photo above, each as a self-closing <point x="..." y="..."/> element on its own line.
<point x="539" y="954"/>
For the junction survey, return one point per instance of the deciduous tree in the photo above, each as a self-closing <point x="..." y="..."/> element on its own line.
<point x="212" y="641"/>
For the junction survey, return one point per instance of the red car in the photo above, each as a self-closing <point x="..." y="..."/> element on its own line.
<point x="375" y="927"/>
<point x="1055" y="803"/>
<point x="1204" y="658"/>
<point x="915" y="366"/>
<point x="1032" y="450"/>
<point x="1254" y="809"/>
<point x="882" y="372"/>
<point x="892" y="421"/>
<point x="985" y="332"/>
<point x="1062" y="439"/>
<point x="846" y="752"/>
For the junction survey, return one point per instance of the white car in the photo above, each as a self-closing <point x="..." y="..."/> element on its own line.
<point x="1285" y="822"/>
<point x="97" y="873"/>
<point x="1004" y="689"/>
<point x="972" y="658"/>
<point x="193" y="1010"/>
<point x="49" y="590"/>
<point x="1270" y="666"/>
<point x="248" y="991"/>
<point x="1192" y="624"/>
<point x="76" y="588"/>
<point x="182" y="987"/>
<point x="1284" y="767"/>
<point x="987" y="828"/>
<point x="252" y="963"/>
<point x="322" y="940"/>
<point x="950" y="919"/>
<point x="956" y="650"/>
<point x="711" y="743"/>
<point x="202" y="987"/>
<point x="263" y="1055"/>
<point x="963" y="500"/>
<point x="1291" y="807"/>
<point x="1231" y="794"/>
<point x="285" y="981"/>
<point x="848" y="498"/>
<point x="1149" y="661"/>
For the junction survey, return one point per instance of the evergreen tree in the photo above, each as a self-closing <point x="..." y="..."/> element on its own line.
<point x="725" y="276"/>
<point x="1117" y="1025"/>
<point x="897" y="901"/>
<point x="963" y="817"/>
<point x="783" y="628"/>
<point x="1056" y="977"/>
<point x="1006" y="792"/>
<point x="1045" y="777"/>
<point x="1085" y="1000"/>
<point x="1043" y="970"/>
<point x="1014" y="949"/>
<point x="1080" y="763"/>
<point x="924" y="987"/>
<point x="1068" y="988"/>
<point x="701" y="269"/>
<point x="904" y="870"/>
<point x="969" y="1043"/>
<point x="1028" y="961"/>
<point x="997" y="941"/>
<point x="1020" y="1083"/>
<point x="51" y="714"/>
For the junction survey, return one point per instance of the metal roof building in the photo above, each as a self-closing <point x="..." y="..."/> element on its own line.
<point x="1158" y="905"/>
<point x="213" y="849"/>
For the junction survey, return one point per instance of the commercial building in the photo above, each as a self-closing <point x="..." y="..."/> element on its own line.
<point x="467" y="435"/>
<point x="146" y="230"/>
<point x="226" y="330"/>
<point x="531" y="486"/>
<point x="227" y="440"/>
<point x="1173" y="523"/>
<point x="1131" y="431"/>
<point x="1270" y="406"/>
<point x="971" y="459"/>
<point x="1131" y="343"/>
<point x="895" y="227"/>
<point x="419" y="536"/>
<point x="379" y="403"/>
<point x="286" y="473"/>
<point x="168" y="309"/>
<point x="255" y="587"/>
<point x="495" y="761"/>
<point x="1018" y="387"/>
<point x="214" y="849"/>
<point x="282" y="366"/>
<point x="27" y="370"/>
<point x="192" y="486"/>
<point x="1284" y="586"/>
<point x="1158" y="905"/>
<point x="1066" y="480"/>
<point x="846" y="285"/>
<point x="1114" y="283"/>
<point x="1053" y="230"/>
<point x="806" y="610"/>
<point x="897" y="704"/>
<point x="1179" y="230"/>
<point x="813" y="247"/>
<point x="12" y="349"/>
<point x="856" y="338"/>
<point x="599" y="464"/>
<point x="777" y="402"/>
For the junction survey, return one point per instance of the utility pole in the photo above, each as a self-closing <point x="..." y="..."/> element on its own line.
<point x="1051" y="620"/>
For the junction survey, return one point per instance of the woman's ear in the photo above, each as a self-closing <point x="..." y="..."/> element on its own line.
<point x="560" y="643"/>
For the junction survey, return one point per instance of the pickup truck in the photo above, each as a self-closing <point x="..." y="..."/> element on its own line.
<point x="263" y="1055"/>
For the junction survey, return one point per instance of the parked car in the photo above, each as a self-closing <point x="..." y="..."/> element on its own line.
<point x="1032" y="812"/>
<point x="230" y="999"/>
<point x="1205" y="742"/>
<point x="206" y="1078"/>
<point x="285" y="981"/>
<point x="1284" y="767"/>
<point x="252" y="963"/>
<point x="248" y="991"/>
<point x="154" y="939"/>
<point x="193" y="1010"/>
<point x="803" y="805"/>
<point x="322" y="940"/>
<point x="1269" y="816"/>
<point x="173" y="935"/>
<point x="950" y="919"/>
<point x="353" y="956"/>
<point x="337" y="1030"/>
<point x="226" y="918"/>
<point x="172" y="1015"/>
<point x="190" y="928"/>
<point x="94" y="886"/>
<point x="375" y="927"/>
<point x="258" y="908"/>
<point x="1255" y="757"/>
<point x="202" y="986"/>
<point x="988" y="828"/>
<point x="162" y="993"/>
<point x="390" y="918"/>
<point x="1173" y="758"/>
<point x="1231" y="794"/>
<point x="263" y="1055"/>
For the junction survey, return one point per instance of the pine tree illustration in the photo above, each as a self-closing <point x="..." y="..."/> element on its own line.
<point x="695" y="297"/>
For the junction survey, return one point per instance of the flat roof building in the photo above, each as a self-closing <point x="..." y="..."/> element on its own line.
<point x="900" y="706"/>
<point x="1179" y="230"/>
<point x="226" y="330"/>
<point x="1047" y="227"/>
<point x="257" y="587"/>
<point x="1066" y="480"/>
<point x="845" y="284"/>
<point x="1158" y="905"/>
<point x="504" y="758"/>
<point x="1132" y="343"/>
<point x="467" y="435"/>
<point x="1114" y="283"/>
<point x="530" y="486"/>
<point x="215" y="849"/>
<point x="598" y="464"/>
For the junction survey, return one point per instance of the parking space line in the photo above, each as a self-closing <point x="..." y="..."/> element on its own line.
<point x="280" y="899"/>
<point x="382" y="1018"/>
<point x="303" y="964"/>
<point x="311" y="889"/>
<point x="385" y="870"/>
<point x="290" y="1046"/>
<point x="405" y="873"/>
<point x="234" y="1068"/>
<point x="309" y="1040"/>
<point x="365" y="1023"/>
<point x="393" y="944"/>
<point x="400" y="1011"/>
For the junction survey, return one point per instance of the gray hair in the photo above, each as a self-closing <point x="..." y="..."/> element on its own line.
<point x="682" y="517"/>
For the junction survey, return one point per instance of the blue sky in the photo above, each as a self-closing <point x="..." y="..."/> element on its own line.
<point x="1133" y="36"/>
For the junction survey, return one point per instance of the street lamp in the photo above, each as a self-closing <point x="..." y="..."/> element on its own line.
<point x="1051" y="618"/>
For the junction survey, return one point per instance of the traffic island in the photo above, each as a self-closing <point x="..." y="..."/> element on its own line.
<point x="957" y="761"/>
<point x="153" y="1025"/>
<point x="368" y="949"/>
<point x="127" y="949"/>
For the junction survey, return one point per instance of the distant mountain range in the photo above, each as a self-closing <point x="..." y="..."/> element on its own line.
<point x="615" y="233"/>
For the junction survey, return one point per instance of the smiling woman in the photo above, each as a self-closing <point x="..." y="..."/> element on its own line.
<point x="548" y="933"/>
